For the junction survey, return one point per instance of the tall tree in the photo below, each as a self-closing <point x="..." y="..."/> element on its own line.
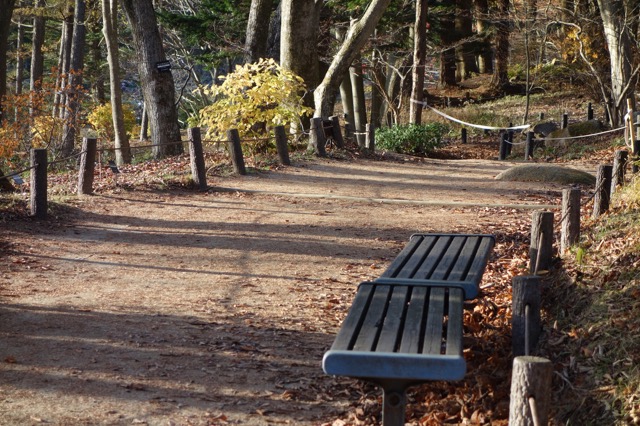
<point x="158" y="87"/>
<point x="359" y="32"/>
<point x="255" y="46"/>
<point x="300" y="24"/>
<point x="64" y="60"/>
<point x="110" y="31"/>
<point x="616" y="17"/>
<point x="419" y="61"/>
<point x="37" y="41"/>
<point x="501" y="40"/>
<point x="5" y="25"/>
<point x="484" y="53"/>
<point x="76" y="67"/>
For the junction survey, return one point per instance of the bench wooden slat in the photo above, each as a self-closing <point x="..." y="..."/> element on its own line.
<point x="433" y="331"/>
<point x="412" y="333"/>
<point x="394" y="320"/>
<point x="353" y="322"/>
<point x="410" y="258"/>
<point x="373" y="319"/>
<point x="454" y="322"/>
<point x="480" y="260"/>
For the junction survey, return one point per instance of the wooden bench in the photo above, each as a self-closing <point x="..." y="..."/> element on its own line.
<point x="405" y="327"/>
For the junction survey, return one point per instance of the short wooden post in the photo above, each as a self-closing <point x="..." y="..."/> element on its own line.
<point x="530" y="391"/>
<point x="589" y="111"/>
<point x="39" y="166"/>
<point x="348" y="127"/>
<point x="337" y="131"/>
<point x="317" y="140"/>
<point x="235" y="151"/>
<point x="463" y="135"/>
<point x="510" y="140"/>
<point x="541" y="250"/>
<point x="619" y="165"/>
<point x="196" y="155"/>
<point x="603" y="190"/>
<point x="631" y="122"/>
<point x="636" y="156"/>
<point x="565" y="120"/>
<point x="370" y="140"/>
<point x="541" y="116"/>
<point x="87" y="166"/>
<point x="504" y="141"/>
<point x="526" y="324"/>
<point x="529" y="146"/>
<point x="570" y="223"/>
<point x="282" y="145"/>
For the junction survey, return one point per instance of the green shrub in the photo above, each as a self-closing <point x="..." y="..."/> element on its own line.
<point x="418" y="139"/>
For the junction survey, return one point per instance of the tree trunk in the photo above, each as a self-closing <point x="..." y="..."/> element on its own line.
<point x="621" y="56"/>
<point x="110" y="31"/>
<point x="419" y="61"/>
<point x="64" y="59"/>
<point x="37" y="58"/>
<point x="157" y="87"/>
<point x="299" y="40"/>
<point x="485" y="57"/>
<point x="255" y="46"/>
<point x="19" y="57"/>
<point x="465" y="61"/>
<point x="5" y="24"/>
<point x="359" y="102"/>
<point x="377" y="97"/>
<point x="76" y="67"/>
<point x="353" y="43"/>
<point x="500" y="76"/>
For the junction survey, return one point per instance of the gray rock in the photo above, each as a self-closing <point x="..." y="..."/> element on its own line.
<point x="546" y="173"/>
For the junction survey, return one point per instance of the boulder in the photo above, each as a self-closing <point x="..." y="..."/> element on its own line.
<point x="546" y="173"/>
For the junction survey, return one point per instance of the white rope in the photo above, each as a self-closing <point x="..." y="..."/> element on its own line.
<point x="477" y="126"/>
<point x="585" y="136"/>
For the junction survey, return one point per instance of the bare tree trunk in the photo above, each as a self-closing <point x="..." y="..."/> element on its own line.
<point x="419" y="61"/>
<point x="19" y="57"/>
<point x="5" y="25"/>
<point x="465" y="60"/>
<point x="485" y="57"/>
<point x="76" y="67"/>
<point x="353" y="43"/>
<point x="623" y="79"/>
<point x="158" y="87"/>
<point x="359" y="102"/>
<point x="500" y="76"/>
<point x="66" y="37"/>
<point x="377" y="97"/>
<point x="255" y="46"/>
<point x="37" y="58"/>
<point x="110" y="31"/>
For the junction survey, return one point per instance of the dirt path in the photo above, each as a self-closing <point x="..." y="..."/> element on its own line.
<point x="180" y="308"/>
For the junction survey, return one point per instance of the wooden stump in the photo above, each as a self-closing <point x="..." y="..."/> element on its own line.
<point x="87" y="166"/>
<point x="337" y="131"/>
<point x="570" y="223"/>
<point x="541" y="250"/>
<point x="235" y="151"/>
<point x="619" y="165"/>
<point x="39" y="165"/>
<point x="196" y="155"/>
<point x="530" y="391"/>
<point x="370" y="141"/>
<point x="282" y="145"/>
<point x="317" y="140"/>
<point x="603" y="190"/>
<point x="526" y="324"/>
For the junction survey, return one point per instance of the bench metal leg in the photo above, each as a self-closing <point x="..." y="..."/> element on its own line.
<point x="394" y="401"/>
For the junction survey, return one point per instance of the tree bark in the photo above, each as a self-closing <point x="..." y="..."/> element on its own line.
<point x="356" y="38"/>
<point x="619" y="42"/>
<point x="419" y="61"/>
<point x="485" y="57"/>
<point x="255" y="46"/>
<point x="76" y="67"/>
<point x="110" y="31"/>
<point x="5" y="25"/>
<point x="500" y="76"/>
<point x="37" y="58"/>
<point x="465" y="61"/>
<point x="19" y="57"/>
<point x="66" y="38"/>
<point x="158" y="88"/>
<point x="359" y="102"/>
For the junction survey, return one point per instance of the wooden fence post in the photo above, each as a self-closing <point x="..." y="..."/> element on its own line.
<point x="370" y="140"/>
<point x="196" y="155"/>
<point x="282" y="145"/>
<point x="235" y="150"/>
<point x="570" y="223"/>
<point x="619" y="165"/>
<point x="87" y="166"/>
<point x="39" y="166"/>
<point x="317" y="140"/>
<point x="589" y="111"/>
<point x="337" y="131"/>
<point x="463" y="135"/>
<point x="526" y="324"/>
<point x="541" y="250"/>
<point x="503" y="146"/>
<point x="565" y="120"/>
<point x="529" y="146"/>
<point x="510" y="140"/>
<point x="636" y="156"/>
<point x="530" y="391"/>
<point x="603" y="190"/>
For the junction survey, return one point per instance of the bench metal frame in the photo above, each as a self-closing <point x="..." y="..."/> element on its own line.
<point x="406" y="327"/>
